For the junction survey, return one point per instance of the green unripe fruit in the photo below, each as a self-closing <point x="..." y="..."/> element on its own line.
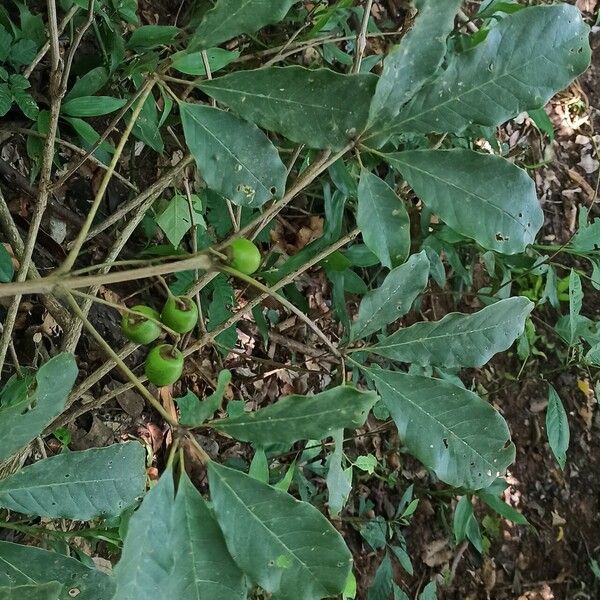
<point x="180" y="314"/>
<point x="164" y="365"/>
<point x="140" y="330"/>
<point x="244" y="256"/>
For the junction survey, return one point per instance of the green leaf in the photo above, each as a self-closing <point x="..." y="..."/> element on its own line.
<point x="557" y="427"/>
<point x="295" y="418"/>
<point x="462" y="514"/>
<point x="21" y="423"/>
<point x="235" y="158"/>
<point x="481" y="196"/>
<point x="7" y="269"/>
<point x="382" y="584"/>
<point x="575" y="305"/>
<point x="152" y="36"/>
<point x="148" y="557"/>
<point x="366" y="463"/>
<point x="5" y="43"/>
<point x="92" y="106"/>
<point x="22" y="53"/>
<point x="192" y="63"/>
<point x="285" y="546"/>
<point x="383" y="220"/>
<point x="408" y="66"/>
<point x="203" y="567"/>
<point x="195" y="412"/>
<point x="319" y="108"/>
<point x="90" y="136"/>
<point x="90" y="83"/>
<point x="394" y="298"/>
<point x="526" y="58"/>
<point x="26" y="103"/>
<point x="452" y="431"/>
<point x="6" y="99"/>
<point x="45" y="591"/>
<point x="230" y="18"/>
<point x="459" y="340"/>
<point x="339" y="479"/>
<point x="147" y="128"/>
<point x="26" y="565"/>
<point x="503" y="509"/>
<point x="429" y="592"/>
<point x="100" y="482"/>
<point x="176" y="220"/>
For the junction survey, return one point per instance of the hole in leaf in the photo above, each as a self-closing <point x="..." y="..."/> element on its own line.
<point x="445" y="440"/>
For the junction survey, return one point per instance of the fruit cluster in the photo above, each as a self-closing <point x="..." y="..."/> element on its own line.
<point x="164" y="363"/>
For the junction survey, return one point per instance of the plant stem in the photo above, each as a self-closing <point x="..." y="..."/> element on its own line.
<point x="127" y="310"/>
<point x="120" y="363"/>
<point x="46" y="285"/>
<point x="81" y="237"/>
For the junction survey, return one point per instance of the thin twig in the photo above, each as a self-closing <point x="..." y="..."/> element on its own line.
<point x="44" y="49"/>
<point x="284" y="302"/>
<point x="210" y="336"/>
<point x="135" y="381"/>
<point x="81" y="237"/>
<point x="157" y="188"/>
<point x="45" y="175"/>
<point x="47" y="285"/>
<point x="52" y="305"/>
<point x="361" y="40"/>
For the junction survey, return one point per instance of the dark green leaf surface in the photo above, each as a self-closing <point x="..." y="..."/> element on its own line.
<point x="204" y="568"/>
<point x="235" y="158"/>
<point x="19" y="426"/>
<point x="151" y="36"/>
<point x="318" y="108"/>
<point x="100" y="482"/>
<point x="286" y="546"/>
<point x="383" y="220"/>
<point x="557" y="427"/>
<point x="394" y="298"/>
<point x="7" y="269"/>
<point x="481" y="196"/>
<point x="525" y="59"/>
<point x="296" y="418"/>
<point x="194" y="411"/>
<point x="29" y="566"/>
<point x="147" y="558"/>
<point x="92" y="106"/>
<point x="459" y="340"/>
<point x="408" y="66"/>
<point x="44" y="591"/>
<point x="451" y="430"/>
<point x="230" y="18"/>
